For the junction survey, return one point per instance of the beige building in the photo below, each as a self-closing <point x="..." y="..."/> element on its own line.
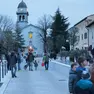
<point x="85" y="35"/>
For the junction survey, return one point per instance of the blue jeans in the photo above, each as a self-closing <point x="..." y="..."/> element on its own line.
<point x="19" y="67"/>
<point x="30" y="64"/>
<point x="13" y="70"/>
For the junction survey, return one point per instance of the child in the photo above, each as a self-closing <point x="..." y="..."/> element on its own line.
<point x="72" y="78"/>
<point x="35" y="65"/>
<point x="82" y="61"/>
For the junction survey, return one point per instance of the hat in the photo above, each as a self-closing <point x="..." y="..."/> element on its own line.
<point x="85" y="75"/>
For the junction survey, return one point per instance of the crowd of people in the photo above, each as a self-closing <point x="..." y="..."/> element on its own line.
<point x="81" y="74"/>
<point x="14" y="61"/>
<point x="81" y="77"/>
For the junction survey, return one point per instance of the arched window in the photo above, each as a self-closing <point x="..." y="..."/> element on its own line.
<point x="19" y="18"/>
<point x="23" y="17"/>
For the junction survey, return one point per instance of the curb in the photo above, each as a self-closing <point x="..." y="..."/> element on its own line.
<point x="5" y="82"/>
<point x="57" y="62"/>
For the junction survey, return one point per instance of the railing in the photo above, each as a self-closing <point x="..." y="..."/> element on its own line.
<point x="3" y="69"/>
<point x="59" y="67"/>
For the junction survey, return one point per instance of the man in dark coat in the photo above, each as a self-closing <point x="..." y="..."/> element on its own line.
<point x="30" y="59"/>
<point x="13" y="61"/>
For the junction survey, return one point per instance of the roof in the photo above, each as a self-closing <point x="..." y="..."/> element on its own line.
<point x="90" y="24"/>
<point x="22" y="5"/>
<point x="83" y="19"/>
<point x="32" y="26"/>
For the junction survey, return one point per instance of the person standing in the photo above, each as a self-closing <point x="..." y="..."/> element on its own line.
<point x="30" y="59"/>
<point x="19" y="61"/>
<point x="8" y="61"/>
<point x="13" y="61"/>
<point x="82" y="61"/>
<point x="46" y="61"/>
<point x="72" y="78"/>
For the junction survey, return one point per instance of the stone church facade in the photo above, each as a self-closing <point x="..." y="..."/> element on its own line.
<point x="27" y="29"/>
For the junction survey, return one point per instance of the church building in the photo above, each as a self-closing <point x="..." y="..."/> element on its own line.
<point x="30" y="32"/>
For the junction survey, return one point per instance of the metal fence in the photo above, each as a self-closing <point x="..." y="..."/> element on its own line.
<point x="3" y="69"/>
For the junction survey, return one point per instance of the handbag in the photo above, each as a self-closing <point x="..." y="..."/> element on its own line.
<point x="42" y="64"/>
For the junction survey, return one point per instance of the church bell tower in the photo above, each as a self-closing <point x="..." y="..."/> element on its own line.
<point x="22" y="15"/>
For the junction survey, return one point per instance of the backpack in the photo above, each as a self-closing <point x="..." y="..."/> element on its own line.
<point x="46" y="58"/>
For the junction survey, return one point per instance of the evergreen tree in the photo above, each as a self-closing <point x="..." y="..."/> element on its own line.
<point x="59" y="31"/>
<point x="18" y="38"/>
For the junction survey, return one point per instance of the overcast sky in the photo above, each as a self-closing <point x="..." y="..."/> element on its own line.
<point x="74" y="9"/>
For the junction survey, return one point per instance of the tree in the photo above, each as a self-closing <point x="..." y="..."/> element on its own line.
<point x="44" y="24"/>
<point x="18" y="39"/>
<point x="49" y="44"/>
<point x="59" y="31"/>
<point x="73" y="36"/>
<point x="6" y="27"/>
<point x="8" y="40"/>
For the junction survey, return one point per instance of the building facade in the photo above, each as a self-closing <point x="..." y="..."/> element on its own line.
<point x="85" y="33"/>
<point x="30" y="32"/>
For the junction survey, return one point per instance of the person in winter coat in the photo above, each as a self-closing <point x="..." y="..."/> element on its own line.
<point x="46" y="61"/>
<point x="84" y="86"/>
<point x="13" y="61"/>
<point x="19" y="61"/>
<point x="72" y="78"/>
<point x="30" y="59"/>
<point x="82" y="61"/>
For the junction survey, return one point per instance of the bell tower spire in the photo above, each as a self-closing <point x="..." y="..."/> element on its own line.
<point x="22" y="14"/>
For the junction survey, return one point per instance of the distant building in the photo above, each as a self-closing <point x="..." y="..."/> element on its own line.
<point x="85" y="35"/>
<point x="30" y="32"/>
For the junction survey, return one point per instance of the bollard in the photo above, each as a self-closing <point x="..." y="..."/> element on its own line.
<point x="5" y="67"/>
<point x="2" y="70"/>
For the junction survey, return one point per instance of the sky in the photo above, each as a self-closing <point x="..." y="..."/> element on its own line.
<point x="75" y="10"/>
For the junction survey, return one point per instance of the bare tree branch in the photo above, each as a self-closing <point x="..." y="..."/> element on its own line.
<point x="44" y="24"/>
<point x="6" y="27"/>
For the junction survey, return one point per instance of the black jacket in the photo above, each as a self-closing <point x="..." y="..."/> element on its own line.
<point x="72" y="80"/>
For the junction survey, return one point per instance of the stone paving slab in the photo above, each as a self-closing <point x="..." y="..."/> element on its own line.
<point x="37" y="82"/>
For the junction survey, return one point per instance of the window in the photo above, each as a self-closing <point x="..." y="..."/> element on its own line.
<point x="23" y="17"/>
<point x="85" y="35"/>
<point x="19" y="18"/>
<point x="82" y="36"/>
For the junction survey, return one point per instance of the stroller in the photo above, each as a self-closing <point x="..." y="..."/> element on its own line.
<point x="25" y="66"/>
